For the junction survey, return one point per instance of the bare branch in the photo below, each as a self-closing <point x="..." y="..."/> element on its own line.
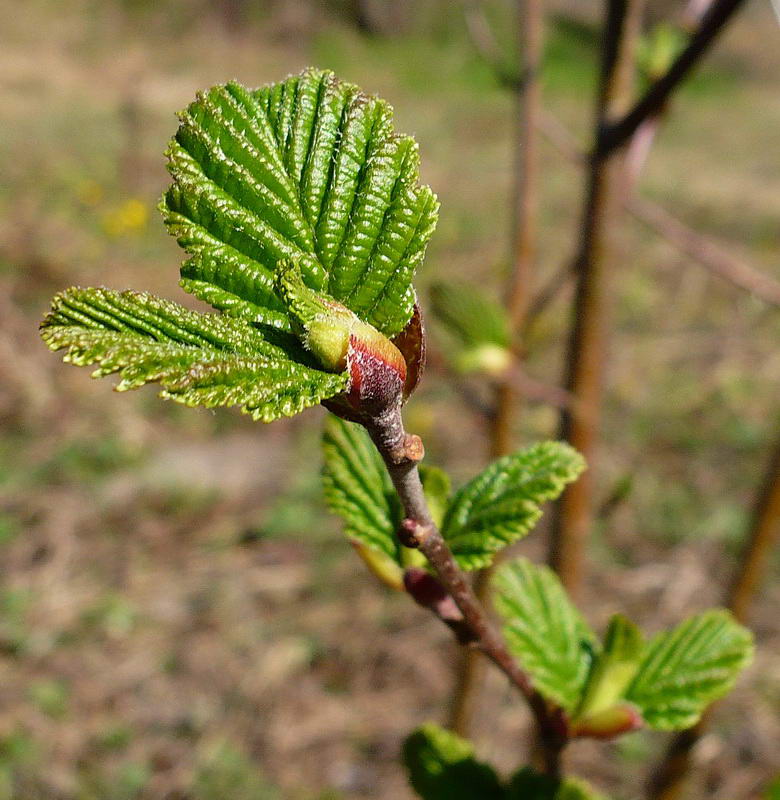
<point x="615" y="134"/>
<point x="702" y="249"/>
<point x="705" y="251"/>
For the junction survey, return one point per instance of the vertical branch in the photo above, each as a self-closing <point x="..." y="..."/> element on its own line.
<point x="524" y="226"/>
<point x="595" y="261"/>
<point x="668" y="779"/>
<point x="526" y="208"/>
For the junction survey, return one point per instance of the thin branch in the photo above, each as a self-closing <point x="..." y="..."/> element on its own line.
<point x="596" y="259"/>
<point x="537" y="390"/>
<point x="617" y="133"/>
<point x="702" y="249"/>
<point x="483" y="41"/>
<point x="401" y="452"/>
<point x="705" y="251"/>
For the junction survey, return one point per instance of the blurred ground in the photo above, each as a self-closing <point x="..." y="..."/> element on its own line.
<point x="178" y="618"/>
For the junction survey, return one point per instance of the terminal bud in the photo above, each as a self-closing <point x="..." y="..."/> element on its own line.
<point x="340" y="341"/>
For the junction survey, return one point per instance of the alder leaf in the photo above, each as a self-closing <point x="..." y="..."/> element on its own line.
<point x="544" y="631"/>
<point x="442" y="766"/>
<point x="686" y="668"/>
<point x="503" y="502"/>
<point x="198" y="359"/>
<point x="307" y="169"/>
<point x="357" y="487"/>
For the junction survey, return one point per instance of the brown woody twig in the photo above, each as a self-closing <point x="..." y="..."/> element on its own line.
<point x="401" y="452"/>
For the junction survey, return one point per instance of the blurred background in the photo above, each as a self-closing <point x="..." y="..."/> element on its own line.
<point x="179" y="618"/>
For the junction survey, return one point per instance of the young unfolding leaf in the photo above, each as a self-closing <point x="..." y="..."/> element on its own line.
<point x="615" y="667"/>
<point x="442" y="766"/>
<point x="545" y="631"/>
<point x="527" y="784"/>
<point x="307" y="169"/>
<point x="297" y="198"/>
<point x="198" y="359"/>
<point x="502" y="503"/>
<point x="477" y="323"/>
<point x="686" y="668"/>
<point x="357" y="488"/>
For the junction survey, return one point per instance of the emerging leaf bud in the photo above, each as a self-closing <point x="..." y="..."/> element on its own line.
<point x="341" y="341"/>
<point x="618" y="719"/>
<point x="611" y="675"/>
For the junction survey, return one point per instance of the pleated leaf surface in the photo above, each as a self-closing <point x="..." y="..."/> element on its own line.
<point x="544" y="631"/>
<point x="308" y="169"/>
<point x="502" y="503"/>
<point x="197" y="359"/>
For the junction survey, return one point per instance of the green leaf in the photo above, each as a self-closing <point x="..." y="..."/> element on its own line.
<point x="502" y="503"/>
<point x="545" y="631"/>
<point x="442" y="766"/>
<point x="470" y="315"/>
<point x="198" y="359"/>
<point x="688" y="667"/>
<point x="358" y="488"/>
<point x="307" y="169"/>
<point x="526" y="784"/>
<point x="478" y="325"/>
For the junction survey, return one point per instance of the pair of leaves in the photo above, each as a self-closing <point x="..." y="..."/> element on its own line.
<point x="490" y="512"/>
<point x="442" y="766"/>
<point x="308" y="170"/>
<point x="670" y="680"/>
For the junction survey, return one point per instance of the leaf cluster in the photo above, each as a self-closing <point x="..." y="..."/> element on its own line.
<point x="442" y="766"/>
<point x="307" y="171"/>
<point x="494" y="509"/>
<point x="668" y="681"/>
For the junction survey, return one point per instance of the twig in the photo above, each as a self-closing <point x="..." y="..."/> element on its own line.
<point x="572" y="515"/>
<point x="534" y="389"/>
<point x="615" y="134"/>
<point x="705" y="251"/>
<point x="401" y="452"/>
<point x="702" y="249"/>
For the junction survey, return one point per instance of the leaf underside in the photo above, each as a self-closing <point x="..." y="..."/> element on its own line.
<point x="545" y="631"/>
<point x="197" y="359"/>
<point x="358" y="488"/>
<point x="308" y="169"/>
<point x="688" y="667"/>
<point x="502" y="504"/>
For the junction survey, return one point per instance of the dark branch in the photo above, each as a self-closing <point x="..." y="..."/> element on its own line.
<point x="617" y="133"/>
